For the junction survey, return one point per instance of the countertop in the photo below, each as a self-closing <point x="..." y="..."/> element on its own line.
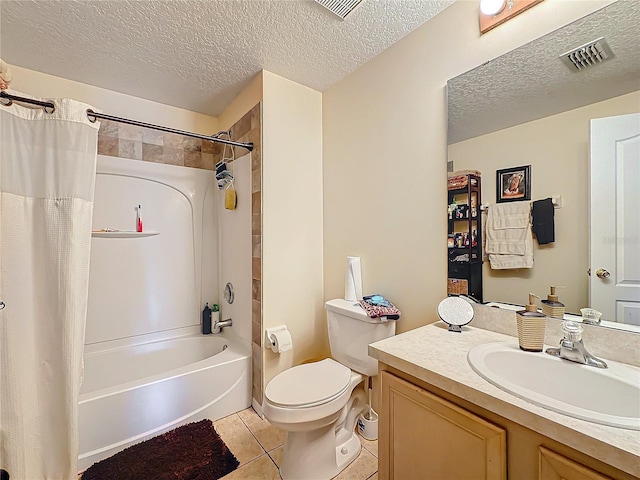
<point x="439" y="357"/>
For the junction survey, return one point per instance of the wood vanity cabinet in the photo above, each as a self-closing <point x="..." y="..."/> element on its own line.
<point x="426" y="433"/>
<point x="556" y="467"/>
<point x="431" y="438"/>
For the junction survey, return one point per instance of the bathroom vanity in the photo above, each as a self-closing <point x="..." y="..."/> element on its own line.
<point x="440" y="419"/>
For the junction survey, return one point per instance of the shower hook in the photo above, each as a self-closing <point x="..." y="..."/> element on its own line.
<point x="7" y="101"/>
<point x="2" y="305"/>
<point x="225" y="158"/>
<point x="221" y="133"/>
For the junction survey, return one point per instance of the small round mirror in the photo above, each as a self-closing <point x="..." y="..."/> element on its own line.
<point x="455" y="312"/>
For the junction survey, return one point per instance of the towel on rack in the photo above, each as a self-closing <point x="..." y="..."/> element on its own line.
<point x="543" y="226"/>
<point x="509" y="243"/>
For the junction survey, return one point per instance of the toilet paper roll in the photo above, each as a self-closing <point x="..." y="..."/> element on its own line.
<point x="280" y="339"/>
<point x="353" y="280"/>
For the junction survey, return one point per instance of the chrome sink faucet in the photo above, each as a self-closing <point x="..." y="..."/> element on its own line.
<point x="218" y="325"/>
<point x="572" y="347"/>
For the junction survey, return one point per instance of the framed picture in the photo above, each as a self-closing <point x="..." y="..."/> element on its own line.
<point x="513" y="184"/>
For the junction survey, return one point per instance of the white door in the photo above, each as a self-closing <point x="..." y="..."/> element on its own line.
<point x="614" y="286"/>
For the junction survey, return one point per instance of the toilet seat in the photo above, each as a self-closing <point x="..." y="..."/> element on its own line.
<point x="309" y="385"/>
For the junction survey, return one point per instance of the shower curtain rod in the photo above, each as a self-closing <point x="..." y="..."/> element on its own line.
<point x="50" y="107"/>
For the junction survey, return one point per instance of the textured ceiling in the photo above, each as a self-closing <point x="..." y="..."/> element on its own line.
<point x="531" y="82"/>
<point x="198" y="55"/>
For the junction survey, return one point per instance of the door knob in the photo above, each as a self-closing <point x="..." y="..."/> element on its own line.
<point x="602" y="273"/>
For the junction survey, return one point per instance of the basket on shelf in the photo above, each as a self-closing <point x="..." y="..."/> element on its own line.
<point x="460" y="179"/>
<point x="457" y="286"/>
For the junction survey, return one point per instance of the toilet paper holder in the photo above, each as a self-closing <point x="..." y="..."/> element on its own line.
<point x="278" y="339"/>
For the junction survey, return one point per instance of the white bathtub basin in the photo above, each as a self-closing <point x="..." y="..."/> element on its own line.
<point x="607" y="396"/>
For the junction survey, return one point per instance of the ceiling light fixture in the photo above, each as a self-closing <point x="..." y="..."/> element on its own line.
<point x="496" y="12"/>
<point x="492" y="7"/>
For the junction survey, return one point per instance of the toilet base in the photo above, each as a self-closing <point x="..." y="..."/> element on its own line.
<point x="314" y="455"/>
<point x="321" y="440"/>
<point x="322" y="453"/>
<point x="351" y="449"/>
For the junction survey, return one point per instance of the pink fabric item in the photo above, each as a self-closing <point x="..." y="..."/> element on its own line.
<point x="378" y="311"/>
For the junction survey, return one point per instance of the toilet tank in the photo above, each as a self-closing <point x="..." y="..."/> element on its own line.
<point x="351" y="331"/>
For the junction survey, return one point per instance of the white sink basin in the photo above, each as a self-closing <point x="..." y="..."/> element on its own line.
<point x="608" y="396"/>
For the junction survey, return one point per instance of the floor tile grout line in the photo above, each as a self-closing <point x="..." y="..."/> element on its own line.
<point x="275" y="448"/>
<point x="253" y="434"/>
<point x="271" y="456"/>
<point x="260" y="456"/>
<point x="375" y="455"/>
<point x="276" y="465"/>
<point x="240" y="467"/>
<point x="365" y="446"/>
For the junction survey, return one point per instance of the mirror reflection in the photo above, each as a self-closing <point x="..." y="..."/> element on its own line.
<point x="528" y="107"/>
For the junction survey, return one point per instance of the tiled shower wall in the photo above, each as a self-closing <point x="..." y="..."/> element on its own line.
<point x="138" y="143"/>
<point x="249" y="129"/>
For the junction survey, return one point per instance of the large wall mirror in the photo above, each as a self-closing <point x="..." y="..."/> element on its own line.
<point x="528" y="107"/>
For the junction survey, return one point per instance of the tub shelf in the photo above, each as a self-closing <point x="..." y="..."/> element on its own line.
<point x="122" y="234"/>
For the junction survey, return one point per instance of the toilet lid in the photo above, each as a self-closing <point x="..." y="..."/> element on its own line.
<point x="308" y="384"/>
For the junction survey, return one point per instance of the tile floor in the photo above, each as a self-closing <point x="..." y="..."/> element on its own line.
<point x="258" y="447"/>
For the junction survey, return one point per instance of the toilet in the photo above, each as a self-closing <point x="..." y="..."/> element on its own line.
<point x="318" y="403"/>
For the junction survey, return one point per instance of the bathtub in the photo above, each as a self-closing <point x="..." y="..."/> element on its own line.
<point x="133" y="392"/>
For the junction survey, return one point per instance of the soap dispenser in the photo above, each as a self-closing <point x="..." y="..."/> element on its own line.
<point x="206" y="320"/>
<point x="551" y="307"/>
<point x="531" y="326"/>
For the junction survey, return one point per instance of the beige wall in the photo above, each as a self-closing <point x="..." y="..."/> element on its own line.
<point x="246" y="99"/>
<point x="112" y="103"/>
<point x="557" y="148"/>
<point x="292" y="219"/>
<point x="384" y="141"/>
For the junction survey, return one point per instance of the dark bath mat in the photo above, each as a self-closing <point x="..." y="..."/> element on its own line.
<point x="192" y="452"/>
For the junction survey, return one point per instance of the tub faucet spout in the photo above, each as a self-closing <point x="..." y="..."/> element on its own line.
<point x="218" y="325"/>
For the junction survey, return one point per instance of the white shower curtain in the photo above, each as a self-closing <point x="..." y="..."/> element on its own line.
<point x="47" y="179"/>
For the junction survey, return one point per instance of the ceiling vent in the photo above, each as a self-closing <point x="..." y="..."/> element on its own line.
<point x="341" y="8"/>
<point x="587" y="55"/>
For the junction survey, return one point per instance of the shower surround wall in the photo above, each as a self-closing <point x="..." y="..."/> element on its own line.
<point x="137" y="143"/>
<point x="143" y="342"/>
<point x="143" y="284"/>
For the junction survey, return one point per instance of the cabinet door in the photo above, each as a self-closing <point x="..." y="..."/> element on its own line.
<point x="423" y="437"/>
<point x="554" y="466"/>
